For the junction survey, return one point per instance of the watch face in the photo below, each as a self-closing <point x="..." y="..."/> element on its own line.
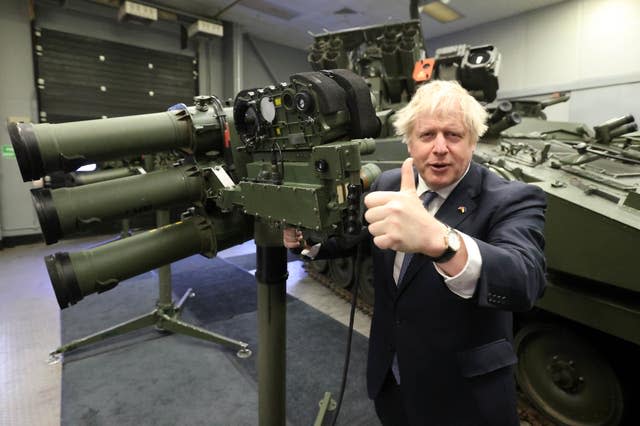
<point x="454" y="240"/>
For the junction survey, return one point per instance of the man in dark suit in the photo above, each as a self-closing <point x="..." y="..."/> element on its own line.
<point x="455" y="249"/>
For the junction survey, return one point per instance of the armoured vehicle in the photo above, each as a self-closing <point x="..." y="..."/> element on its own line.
<point x="576" y="348"/>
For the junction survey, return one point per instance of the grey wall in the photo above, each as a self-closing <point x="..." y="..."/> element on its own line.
<point x="587" y="46"/>
<point x="252" y="62"/>
<point x="17" y="100"/>
<point x="260" y="55"/>
<point x="225" y="66"/>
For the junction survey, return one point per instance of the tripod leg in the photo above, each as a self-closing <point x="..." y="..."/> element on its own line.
<point x="183" y="299"/>
<point x="326" y="404"/>
<point x="122" y="328"/>
<point x="176" y="326"/>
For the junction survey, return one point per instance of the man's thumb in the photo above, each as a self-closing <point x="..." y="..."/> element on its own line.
<point x="407" y="182"/>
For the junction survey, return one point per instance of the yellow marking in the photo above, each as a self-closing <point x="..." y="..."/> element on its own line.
<point x="340" y="190"/>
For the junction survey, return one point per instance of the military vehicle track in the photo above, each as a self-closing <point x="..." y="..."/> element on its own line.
<point x="343" y="293"/>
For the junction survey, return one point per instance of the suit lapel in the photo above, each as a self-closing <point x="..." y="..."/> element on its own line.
<point x="458" y="206"/>
<point x="389" y="259"/>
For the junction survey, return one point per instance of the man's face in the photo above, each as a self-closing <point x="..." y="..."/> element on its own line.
<point x="441" y="148"/>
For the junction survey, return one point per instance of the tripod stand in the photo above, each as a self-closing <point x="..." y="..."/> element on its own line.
<point x="165" y="317"/>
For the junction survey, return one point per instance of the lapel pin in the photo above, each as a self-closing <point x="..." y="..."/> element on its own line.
<point x="462" y="209"/>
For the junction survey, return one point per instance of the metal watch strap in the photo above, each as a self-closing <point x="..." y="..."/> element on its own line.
<point x="448" y="253"/>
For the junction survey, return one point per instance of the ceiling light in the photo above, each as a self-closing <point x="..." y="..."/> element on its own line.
<point x="205" y="29"/>
<point x="271" y="8"/>
<point x="136" y="12"/>
<point x="345" y="11"/>
<point x="440" y="11"/>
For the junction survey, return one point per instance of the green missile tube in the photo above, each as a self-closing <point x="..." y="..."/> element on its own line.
<point x="86" y="178"/>
<point x="76" y="275"/>
<point x="64" y="211"/>
<point x="44" y="148"/>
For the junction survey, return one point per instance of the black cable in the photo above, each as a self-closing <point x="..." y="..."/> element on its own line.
<point x="354" y="298"/>
<point x="274" y="159"/>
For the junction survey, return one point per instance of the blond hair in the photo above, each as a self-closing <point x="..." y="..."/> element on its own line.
<point x="441" y="98"/>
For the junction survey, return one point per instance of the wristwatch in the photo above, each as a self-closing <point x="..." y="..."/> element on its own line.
<point x="452" y="240"/>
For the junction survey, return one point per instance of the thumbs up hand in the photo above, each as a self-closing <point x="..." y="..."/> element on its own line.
<point x="399" y="221"/>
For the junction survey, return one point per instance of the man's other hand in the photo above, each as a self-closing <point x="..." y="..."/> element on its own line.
<point x="292" y="238"/>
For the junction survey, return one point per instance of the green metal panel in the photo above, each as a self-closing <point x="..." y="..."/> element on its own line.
<point x="291" y="204"/>
<point x="615" y="316"/>
<point x="592" y="237"/>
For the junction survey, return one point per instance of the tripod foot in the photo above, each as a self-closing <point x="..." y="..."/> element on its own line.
<point x="160" y="329"/>
<point x="54" y="358"/>
<point x="244" y="353"/>
<point x="326" y="404"/>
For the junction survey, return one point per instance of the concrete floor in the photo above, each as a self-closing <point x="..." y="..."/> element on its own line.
<point x="30" y="391"/>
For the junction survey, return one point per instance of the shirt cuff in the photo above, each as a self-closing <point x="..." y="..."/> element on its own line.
<point x="464" y="284"/>
<point x="311" y="252"/>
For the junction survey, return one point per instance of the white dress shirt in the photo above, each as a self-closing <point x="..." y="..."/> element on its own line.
<point x="463" y="284"/>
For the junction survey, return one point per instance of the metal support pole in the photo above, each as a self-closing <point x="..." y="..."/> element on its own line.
<point x="165" y="298"/>
<point x="238" y="63"/>
<point x="271" y="276"/>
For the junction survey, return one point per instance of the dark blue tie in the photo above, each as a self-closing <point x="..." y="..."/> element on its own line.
<point x="426" y="197"/>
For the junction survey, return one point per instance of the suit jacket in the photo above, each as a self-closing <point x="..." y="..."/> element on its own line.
<point x="455" y="355"/>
